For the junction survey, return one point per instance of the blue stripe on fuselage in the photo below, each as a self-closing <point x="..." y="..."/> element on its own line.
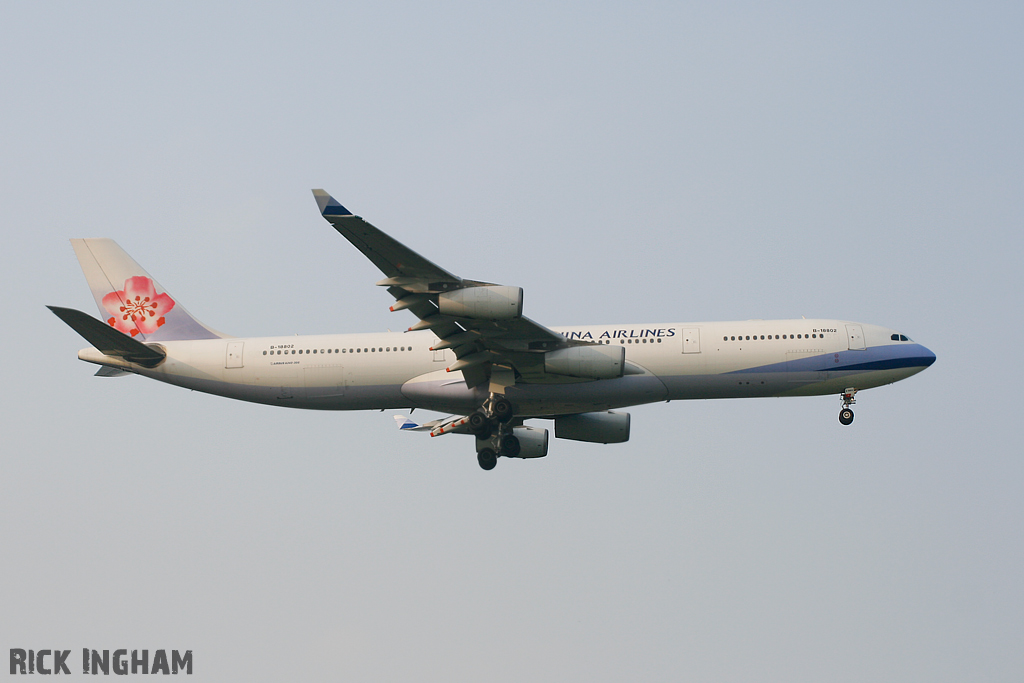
<point x="886" y="357"/>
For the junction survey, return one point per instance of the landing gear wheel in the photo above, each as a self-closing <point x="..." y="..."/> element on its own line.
<point x="510" y="446"/>
<point x="502" y="410"/>
<point x="480" y="425"/>
<point x="846" y="416"/>
<point x="487" y="458"/>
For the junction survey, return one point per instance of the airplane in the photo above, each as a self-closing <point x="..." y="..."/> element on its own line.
<point x="473" y="355"/>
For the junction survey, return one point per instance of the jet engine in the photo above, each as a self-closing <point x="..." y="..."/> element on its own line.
<point x="533" y="442"/>
<point x="607" y="427"/>
<point x="592" y="362"/>
<point x="494" y="302"/>
<point x="523" y="442"/>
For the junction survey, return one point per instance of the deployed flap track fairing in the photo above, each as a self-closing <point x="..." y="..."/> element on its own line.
<point x="473" y="354"/>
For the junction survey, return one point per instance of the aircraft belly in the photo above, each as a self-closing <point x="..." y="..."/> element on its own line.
<point x="445" y="393"/>
<point x="381" y="397"/>
<point x="688" y="387"/>
<point x="558" y="399"/>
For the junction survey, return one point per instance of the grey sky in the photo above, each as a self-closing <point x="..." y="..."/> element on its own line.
<point x="623" y="163"/>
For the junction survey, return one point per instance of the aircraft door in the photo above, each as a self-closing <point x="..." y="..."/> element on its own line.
<point x="855" y="335"/>
<point x="234" y="355"/>
<point x="691" y="340"/>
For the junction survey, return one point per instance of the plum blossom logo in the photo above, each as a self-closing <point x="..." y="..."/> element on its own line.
<point x="137" y="308"/>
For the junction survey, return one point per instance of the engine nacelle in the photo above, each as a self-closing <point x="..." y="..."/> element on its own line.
<point x="605" y="427"/>
<point x="490" y="302"/>
<point x="533" y="441"/>
<point x="592" y="362"/>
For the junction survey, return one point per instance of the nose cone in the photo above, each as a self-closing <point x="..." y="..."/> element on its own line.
<point x="927" y="357"/>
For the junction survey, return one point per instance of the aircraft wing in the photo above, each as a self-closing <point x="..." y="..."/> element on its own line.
<point x="498" y="348"/>
<point x="445" y="425"/>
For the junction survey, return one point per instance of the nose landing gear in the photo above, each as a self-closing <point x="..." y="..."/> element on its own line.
<point x="847" y="397"/>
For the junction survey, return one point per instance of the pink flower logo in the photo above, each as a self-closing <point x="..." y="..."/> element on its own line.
<point x="137" y="308"/>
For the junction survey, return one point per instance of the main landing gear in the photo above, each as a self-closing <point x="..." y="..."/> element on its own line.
<point x="493" y="429"/>
<point x="487" y="458"/>
<point x="847" y="397"/>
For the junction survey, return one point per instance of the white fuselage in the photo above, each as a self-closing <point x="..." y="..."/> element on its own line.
<point x="668" y="362"/>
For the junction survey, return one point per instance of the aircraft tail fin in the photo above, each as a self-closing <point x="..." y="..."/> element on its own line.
<point x="129" y="299"/>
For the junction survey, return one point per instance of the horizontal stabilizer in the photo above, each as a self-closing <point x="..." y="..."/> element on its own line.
<point x="107" y="371"/>
<point x="107" y="340"/>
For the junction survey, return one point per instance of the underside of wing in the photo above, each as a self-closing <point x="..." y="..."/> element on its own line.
<point x="481" y="322"/>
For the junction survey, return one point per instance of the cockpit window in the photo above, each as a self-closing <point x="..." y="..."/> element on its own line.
<point x="900" y="337"/>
